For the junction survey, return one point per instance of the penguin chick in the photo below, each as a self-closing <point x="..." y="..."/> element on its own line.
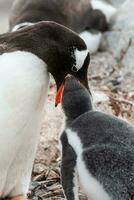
<point x="96" y="148"/>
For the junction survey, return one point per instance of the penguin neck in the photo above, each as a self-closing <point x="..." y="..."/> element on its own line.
<point x="76" y="111"/>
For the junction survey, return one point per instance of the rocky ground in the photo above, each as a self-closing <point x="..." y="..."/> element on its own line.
<point x="113" y="93"/>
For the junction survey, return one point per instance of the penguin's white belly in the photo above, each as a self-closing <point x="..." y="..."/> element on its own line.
<point x="91" y="186"/>
<point x="23" y="89"/>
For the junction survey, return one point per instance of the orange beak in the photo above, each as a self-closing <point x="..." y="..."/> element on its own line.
<point x="59" y="94"/>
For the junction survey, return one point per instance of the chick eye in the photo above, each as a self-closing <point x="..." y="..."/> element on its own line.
<point x="74" y="69"/>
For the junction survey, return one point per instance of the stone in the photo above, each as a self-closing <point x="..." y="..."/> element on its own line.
<point x="116" y="3"/>
<point x="120" y="40"/>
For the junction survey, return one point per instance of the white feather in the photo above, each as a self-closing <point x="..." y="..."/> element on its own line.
<point x="75" y="185"/>
<point x="92" y="40"/>
<point x="90" y="185"/>
<point x="23" y="90"/>
<point x="80" y="58"/>
<point x="18" y="26"/>
<point x="74" y="141"/>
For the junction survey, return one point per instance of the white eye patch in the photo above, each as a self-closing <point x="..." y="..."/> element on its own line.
<point x="80" y="57"/>
<point x="21" y="25"/>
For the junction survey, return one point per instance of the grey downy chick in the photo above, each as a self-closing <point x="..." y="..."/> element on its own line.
<point x="97" y="148"/>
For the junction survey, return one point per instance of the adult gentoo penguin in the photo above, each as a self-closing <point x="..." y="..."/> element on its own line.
<point x="27" y="56"/>
<point x="97" y="148"/>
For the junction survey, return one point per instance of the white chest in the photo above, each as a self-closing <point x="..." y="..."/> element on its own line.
<point x="91" y="186"/>
<point x="23" y="89"/>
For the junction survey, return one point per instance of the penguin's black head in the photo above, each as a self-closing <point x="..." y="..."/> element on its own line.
<point x="76" y="99"/>
<point x="63" y="51"/>
<point x="97" y="21"/>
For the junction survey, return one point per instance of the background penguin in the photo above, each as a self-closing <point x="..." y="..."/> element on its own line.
<point x="96" y="147"/>
<point x="27" y="57"/>
<point x="78" y="15"/>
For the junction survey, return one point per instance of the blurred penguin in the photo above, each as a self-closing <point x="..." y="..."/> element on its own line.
<point x="88" y="18"/>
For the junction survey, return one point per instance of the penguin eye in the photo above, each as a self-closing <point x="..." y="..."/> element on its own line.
<point x="74" y="69"/>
